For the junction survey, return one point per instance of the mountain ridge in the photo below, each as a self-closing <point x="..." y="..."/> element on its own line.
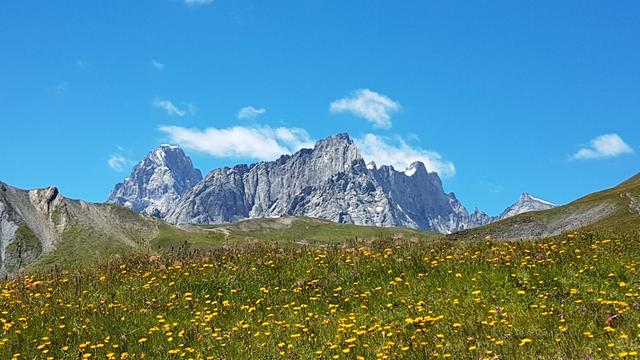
<point x="40" y="229"/>
<point x="330" y="181"/>
<point x="613" y="210"/>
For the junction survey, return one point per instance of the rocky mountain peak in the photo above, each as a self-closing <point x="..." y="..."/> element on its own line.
<point x="157" y="181"/>
<point x="337" y="148"/>
<point x="526" y="202"/>
<point x="329" y="181"/>
<point x="526" y="197"/>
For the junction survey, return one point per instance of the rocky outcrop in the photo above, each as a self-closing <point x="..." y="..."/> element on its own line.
<point x="29" y="225"/>
<point x="33" y="223"/>
<point x="157" y="182"/>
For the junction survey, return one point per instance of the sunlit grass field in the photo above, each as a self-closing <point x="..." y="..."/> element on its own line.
<point x="571" y="297"/>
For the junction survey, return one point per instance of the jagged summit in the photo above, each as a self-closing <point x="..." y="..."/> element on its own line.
<point x="157" y="182"/>
<point x="330" y="181"/>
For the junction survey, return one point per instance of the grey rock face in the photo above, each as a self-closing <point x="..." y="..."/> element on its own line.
<point x="330" y="181"/>
<point x="27" y="228"/>
<point x="157" y="182"/>
<point x="525" y="203"/>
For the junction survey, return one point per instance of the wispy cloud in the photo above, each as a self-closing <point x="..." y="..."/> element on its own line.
<point x="118" y="162"/>
<point x="171" y="108"/>
<point x="81" y="63"/>
<point x="367" y="104"/>
<point x="250" y="113"/>
<point x="399" y="154"/>
<point x="260" y="142"/>
<point x="268" y="143"/>
<point x="157" y="65"/>
<point x="61" y="88"/>
<point x="198" y="2"/>
<point x="603" y="146"/>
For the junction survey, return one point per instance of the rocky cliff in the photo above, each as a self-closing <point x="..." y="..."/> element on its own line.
<point x="157" y="182"/>
<point x="330" y="181"/>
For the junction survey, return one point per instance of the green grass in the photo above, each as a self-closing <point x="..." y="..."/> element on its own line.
<point x="622" y="217"/>
<point x="313" y="231"/>
<point x="81" y="246"/>
<point x="569" y="297"/>
<point x="84" y="245"/>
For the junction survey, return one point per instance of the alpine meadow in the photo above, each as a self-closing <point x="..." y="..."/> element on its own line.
<point x="233" y="179"/>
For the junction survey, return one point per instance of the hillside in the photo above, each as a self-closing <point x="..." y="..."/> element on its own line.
<point x="42" y="229"/>
<point x="616" y="210"/>
<point x="287" y="231"/>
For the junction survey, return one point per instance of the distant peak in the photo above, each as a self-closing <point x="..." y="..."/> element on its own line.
<point x="526" y="202"/>
<point x="528" y="197"/>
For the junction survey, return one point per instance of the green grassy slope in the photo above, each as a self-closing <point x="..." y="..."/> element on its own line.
<point x="305" y="230"/>
<point x="87" y="242"/>
<point x="616" y="210"/>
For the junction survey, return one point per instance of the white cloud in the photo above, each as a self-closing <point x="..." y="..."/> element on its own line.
<point x="118" y="162"/>
<point x="157" y="65"/>
<point x="367" y="104"/>
<point x="400" y="154"/>
<point x="268" y="143"/>
<point x="171" y="108"/>
<point x="603" y="146"/>
<point x="261" y="142"/>
<point x="250" y="113"/>
<point x="197" y="2"/>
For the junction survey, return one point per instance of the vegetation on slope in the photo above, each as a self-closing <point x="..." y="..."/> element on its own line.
<point x="569" y="297"/>
<point x="84" y="243"/>
<point x="282" y="232"/>
<point x="24" y="248"/>
<point x="616" y="210"/>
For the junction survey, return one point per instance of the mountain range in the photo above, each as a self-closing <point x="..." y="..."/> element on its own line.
<point x="324" y="194"/>
<point x="330" y="181"/>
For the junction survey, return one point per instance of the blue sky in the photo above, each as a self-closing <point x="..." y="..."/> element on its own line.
<point x="502" y="96"/>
